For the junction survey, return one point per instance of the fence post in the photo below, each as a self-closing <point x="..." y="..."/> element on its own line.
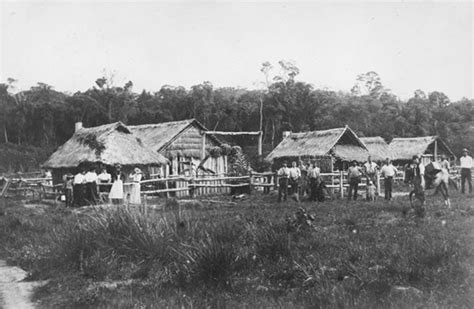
<point x="377" y="176"/>
<point x="341" y="183"/>
<point x="191" y="187"/>
<point x="275" y="181"/>
<point x="144" y="204"/>
<point x="250" y="182"/>
<point x="166" y="186"/>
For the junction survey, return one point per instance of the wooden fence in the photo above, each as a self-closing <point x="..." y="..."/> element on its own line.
<point x="185" y="186"/>
<point x="180" y="186"/>
<point x="336" y="182"/>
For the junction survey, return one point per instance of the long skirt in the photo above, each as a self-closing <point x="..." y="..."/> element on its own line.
<point x="91" y="193"/>
<point x="116" y="192"/>
<point x="78" y="195"/>
<point x="135" y="194"/>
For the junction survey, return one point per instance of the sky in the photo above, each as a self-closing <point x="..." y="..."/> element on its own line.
<point x="411" y="45"/>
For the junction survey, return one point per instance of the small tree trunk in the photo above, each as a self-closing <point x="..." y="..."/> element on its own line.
<point x="5" y="133"/>
<point x="273" y="132"/>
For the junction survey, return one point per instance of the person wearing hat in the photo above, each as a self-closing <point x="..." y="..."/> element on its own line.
<point x="68" y="188"/>
<point x="294" y="179"/>
<point x="354" y="174"/>
<point x="418" y="176"/>
<point x="444" y="163"/>
<point x="388" y="171"/>
<point x="370" y="170"/>
<point x="466" y="165"/>
<point x="135" y="177"/>
<point x="283" y="174"/>
<point x="314" y="175"/>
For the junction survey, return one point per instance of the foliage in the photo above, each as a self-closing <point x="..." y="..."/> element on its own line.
<point x="93" y="143"/>
<point x="215" y="152"/>
<point x="226" y="149"/>
<point x="350" y="256"/>
<point x="42" y="116"/>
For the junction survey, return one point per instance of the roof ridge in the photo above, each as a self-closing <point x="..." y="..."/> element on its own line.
<point x="152" y="125"/>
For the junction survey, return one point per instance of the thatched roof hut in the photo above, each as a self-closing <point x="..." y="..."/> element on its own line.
<point x="182" y="143"/>
<point x="107" y="144"/>
<point x="379" y="150"/>
<point x="341" y="143"/>
<point x="177" y="138"/>
<point x="428" y="146"/>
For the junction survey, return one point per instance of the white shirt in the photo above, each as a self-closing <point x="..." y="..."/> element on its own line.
<point x="314" y="172"/>
<point x="421" y="167"/>
<point x="90" y="177"/>
<point x="466" y="161"/>
<point x="388" y="170"/>
<point x="79" y="179"/>
<point x="295" y="172"/>
<point x="284" y="171"/>
<point x="445" y="164"/>
<point x="371" y="167"/>
<point x="137" y="177"/>
<point x="104" y="177"/>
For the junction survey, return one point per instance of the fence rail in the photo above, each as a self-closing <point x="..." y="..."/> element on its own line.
<point x="189" y="186"/>
<point x="182" y="186"/>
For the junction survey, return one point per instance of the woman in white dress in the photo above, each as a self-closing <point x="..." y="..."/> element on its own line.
<point x="116" y="192"/>
<point x="135" y="177"/>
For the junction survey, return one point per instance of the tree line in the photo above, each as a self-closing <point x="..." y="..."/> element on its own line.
<point x="44" y="117"/>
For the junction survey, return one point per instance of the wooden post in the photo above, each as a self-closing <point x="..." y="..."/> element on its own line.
<point x="275" y="181"/>
<point x="166" y="186"/>
<point x="250" y="182"/>
<point x="341" y="183"/>
<point x="203" y="146"/>
<point x="260" y="141"/>
<point x="436" y="150"/>
<point x="144" y="204"/>
<point x="377" y="176"/>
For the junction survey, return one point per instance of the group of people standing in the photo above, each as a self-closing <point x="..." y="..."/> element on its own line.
<point x="304" y="179"/>
<point x="371" y="171"/>
<point x="85" y="187"/>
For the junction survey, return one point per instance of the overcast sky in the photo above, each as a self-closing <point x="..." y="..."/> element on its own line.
<point x="423" y="45"/>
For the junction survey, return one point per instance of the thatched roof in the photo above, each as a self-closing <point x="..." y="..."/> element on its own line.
<point x="341" y="143"/>
<point x="183" y="138"/>
<point x="378" y="149"/>
<point x="108" y="144"/>
<point x="406" y="148"/>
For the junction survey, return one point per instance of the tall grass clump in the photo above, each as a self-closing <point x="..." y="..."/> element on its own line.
<point x="102" y="243"/>
<point x="215" y="257"/>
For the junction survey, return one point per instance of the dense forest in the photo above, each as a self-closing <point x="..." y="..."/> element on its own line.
<point x="43" y="117"/>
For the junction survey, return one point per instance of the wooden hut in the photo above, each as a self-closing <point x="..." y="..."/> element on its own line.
<point x="108" y="144"/>
<point x="331" y="147"/>
<point x="378" y="149"/>
<point x="429" y="147"/>
<point x="182" y="143"/>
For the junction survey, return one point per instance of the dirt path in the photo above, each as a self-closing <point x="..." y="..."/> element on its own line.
<point x="13" y="292"/>
<point x="470" y="245"/>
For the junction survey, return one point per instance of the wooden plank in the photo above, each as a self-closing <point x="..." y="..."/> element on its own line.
<point x="165" y="179"/>
<point x="203" y="146"/>
<point x="233" y="133"/>
<point x="218" y="186"/>
<point x="5" y="187"/>
<point x="164" y="190"/>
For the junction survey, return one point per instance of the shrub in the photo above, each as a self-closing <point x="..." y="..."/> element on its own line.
<point x="271" y="241"/>
<point x="214" y="259"/>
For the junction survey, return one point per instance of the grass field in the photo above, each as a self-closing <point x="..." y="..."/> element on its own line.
<point x="252" y="252"/>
